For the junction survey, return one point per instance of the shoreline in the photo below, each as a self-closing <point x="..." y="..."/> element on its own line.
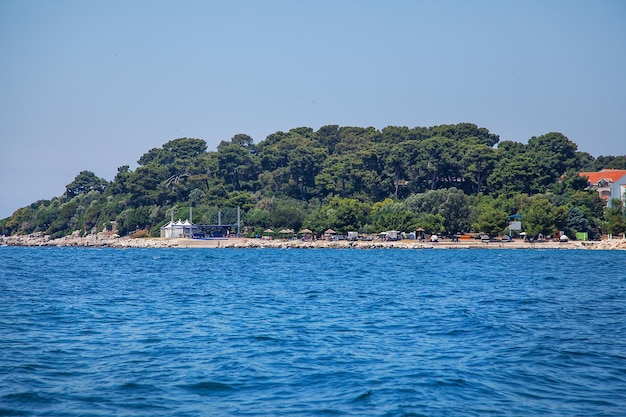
<point x="106" y="240"/>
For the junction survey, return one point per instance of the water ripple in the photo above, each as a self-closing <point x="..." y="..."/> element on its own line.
<point x="95" y="332"/>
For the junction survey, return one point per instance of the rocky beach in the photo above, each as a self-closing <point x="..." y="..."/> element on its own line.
<point x="108" y="240"/>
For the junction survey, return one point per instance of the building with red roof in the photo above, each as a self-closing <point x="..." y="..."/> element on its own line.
<point x="603" y="180"/>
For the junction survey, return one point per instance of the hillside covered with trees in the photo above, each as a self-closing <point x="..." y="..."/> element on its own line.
<point x="448" y="178"/>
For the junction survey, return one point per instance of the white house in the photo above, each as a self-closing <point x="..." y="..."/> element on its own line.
<point x="603" y="181"/>
<point x="618" y="189"/>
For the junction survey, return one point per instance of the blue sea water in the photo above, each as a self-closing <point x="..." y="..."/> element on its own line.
<point x="279" y="332"/>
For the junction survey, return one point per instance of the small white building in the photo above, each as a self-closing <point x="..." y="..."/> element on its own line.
<point x="618" y="190"/>
<point x="178" y="229"/>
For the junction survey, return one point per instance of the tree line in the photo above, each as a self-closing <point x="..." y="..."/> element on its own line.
<point x="444" y="179"/>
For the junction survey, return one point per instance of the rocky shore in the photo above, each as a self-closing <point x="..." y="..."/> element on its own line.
<point x="108" y="240"/>
<point x="104" y="240"/>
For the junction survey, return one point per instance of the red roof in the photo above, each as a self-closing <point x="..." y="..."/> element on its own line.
<point x="610" y="175"/>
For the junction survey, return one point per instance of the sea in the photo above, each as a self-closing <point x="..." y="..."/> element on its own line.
<point x="312" y="332"/>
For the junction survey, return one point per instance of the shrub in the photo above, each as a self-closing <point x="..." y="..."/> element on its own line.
<point x="141" y="233"/>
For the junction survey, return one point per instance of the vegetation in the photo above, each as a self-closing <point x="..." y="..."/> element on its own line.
<point x="448" y="178"/>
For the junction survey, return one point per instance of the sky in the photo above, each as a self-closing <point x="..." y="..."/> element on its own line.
<point x="94" y="84"/>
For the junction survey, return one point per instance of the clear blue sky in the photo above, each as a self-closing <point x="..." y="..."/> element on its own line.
<point x="92" y="85"/>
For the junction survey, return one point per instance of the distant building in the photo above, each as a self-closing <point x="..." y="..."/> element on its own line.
<point x="618" y="190"/>
<point x="178" y="229"/>
<point x="603" y="182"/>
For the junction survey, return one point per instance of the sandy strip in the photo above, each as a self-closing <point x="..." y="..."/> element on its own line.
<point x="403" y="244"/>
<point x="106" y="240"/>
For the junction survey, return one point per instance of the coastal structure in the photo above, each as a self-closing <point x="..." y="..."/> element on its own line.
<point x="618" y="190"/>
<point x="609" y="183"/>
<point x="178" y="229"/>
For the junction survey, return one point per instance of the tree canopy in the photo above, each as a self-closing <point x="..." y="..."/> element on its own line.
<point x="446" y="178"/>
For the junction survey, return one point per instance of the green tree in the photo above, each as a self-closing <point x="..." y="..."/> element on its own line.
<point x="237" y="165"/>
<point x="576" y="222"/>
<point x="397" y="134"/>
<point x="133" y="219"/>
<point x="328" y="136"/>
<point x="611" y="162"/>
<point x="553" y="154"/>
<point x="257" y="217"/>
<point x="157" y="156"/>
<point x="391" y="215"/>
<point x="478" y="162"/>
<point x="347" y="176"/>
<point x="403" y="165"/>
<point x="491" y="220"/>
<point x="355" y="139"/>
<point x="196" y="196"/>
<point x="452" y="204"/>
<point x="431" y="223"/>
<point x="148" y="185"/>
<point x="615" y="219"/>
<point x="185" y="148"/>
<point x="304" y="164"/>
<point x="61" y="226"/>
<point x="287" y="214"/>
<point x="84" y="182"/>
<point x="541" y="217"/>
<point x="465" y="132"/>
<point x="244" y="141"/>
<point x="514" y="174"/>
<point x="118" y="185"/>
<point x="439" y="162"/>
<point x="340" y="214"/>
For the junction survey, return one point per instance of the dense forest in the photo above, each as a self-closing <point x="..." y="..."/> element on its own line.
<point x="444" y="179"/>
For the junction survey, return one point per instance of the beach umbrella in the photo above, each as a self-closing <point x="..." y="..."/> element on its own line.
<point x="286" y="231"/>
<point x="305" y="232"/>
<point x="330" y="232"/>
<point x="268" y="231"/>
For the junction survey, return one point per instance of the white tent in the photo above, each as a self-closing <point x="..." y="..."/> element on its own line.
<point x="178" y="229"/>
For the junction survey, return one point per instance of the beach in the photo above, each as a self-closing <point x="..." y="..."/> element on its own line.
<point x="114" y="241"/>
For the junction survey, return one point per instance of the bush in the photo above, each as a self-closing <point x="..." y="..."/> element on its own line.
<point x="141" y="233"/>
